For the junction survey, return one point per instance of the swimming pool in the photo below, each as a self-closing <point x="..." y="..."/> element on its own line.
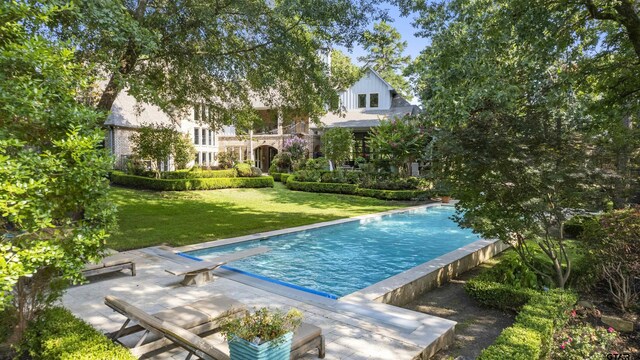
<point x="344" y="258"/>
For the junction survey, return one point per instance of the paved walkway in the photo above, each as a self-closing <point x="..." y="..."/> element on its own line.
<point x="354" y="329"/>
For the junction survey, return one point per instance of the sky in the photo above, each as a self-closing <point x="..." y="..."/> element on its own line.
<point x="404" y="27"/>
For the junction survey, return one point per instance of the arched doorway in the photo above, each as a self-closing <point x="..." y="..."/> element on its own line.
<point x="264" y="155"/>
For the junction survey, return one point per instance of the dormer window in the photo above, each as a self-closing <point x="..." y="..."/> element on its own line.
<point x="373" y="100"/>
<point x="362" y="100"/>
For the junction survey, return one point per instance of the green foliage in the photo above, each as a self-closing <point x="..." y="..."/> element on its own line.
<point x="296" y="147"/>
<point x="574" y="227"/>
<point x="312" y="184"/>
<point x="58" y="335"/>
<point x="197" y="173"/>
<point x="343" y="72"/>
<point x="243" y="169"/>
<point x="614" y="253"/>
<point x="139" y="182"/>
<point x="513" y="272"/>
<point x="530" y="119"/>
<point x="158" y="142"/>
<point x="293" y="184"/>
<point x="226" y="160"/>
<point x="337" y="144"/>
<point x="342" y="176"/>
<point x="385" y="48"/>
<point x="497" y="295"/>
<point x="285" y="177"/>
<point x="531" y="336"/>
<point x="400" y="141"/>
<point x="55" y="215"/>
<point x="183" y="151"/>
<point x="401" y="195"/>
<point x="242" y="49"/>
<point x="308" y="175"/>
<point x="276" y="176"/>
<point x="319" y="164"/>
<point x="264" y="324"/>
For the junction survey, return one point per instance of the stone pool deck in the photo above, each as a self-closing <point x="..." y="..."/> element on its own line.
<point x="354" y="329"/>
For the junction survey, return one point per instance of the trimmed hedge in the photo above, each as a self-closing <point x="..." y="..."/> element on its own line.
<point x="140" y="182"/>
<point x="498" y="295"/>
<point x="336" y="188"/>
<point x="531" y="336"/>
<point x="353" y="189"/>
<point x="394" y="194"/>
<point x="58" y="335"/>
<point x="199" y="174"/>
<point x="284" y="177"/>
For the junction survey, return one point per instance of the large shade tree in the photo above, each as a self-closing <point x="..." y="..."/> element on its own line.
<point x="533" y="100"/>
<point x="223" y="53"/>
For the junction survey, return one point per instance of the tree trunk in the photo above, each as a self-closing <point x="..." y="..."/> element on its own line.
<point x="621" y="184"/>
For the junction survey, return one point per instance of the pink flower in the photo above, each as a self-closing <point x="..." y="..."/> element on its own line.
<point x="573" y="313"/>
<point x="564" y="344"/>
<point x="570" y="339"/>
<point x="610" y="329"/>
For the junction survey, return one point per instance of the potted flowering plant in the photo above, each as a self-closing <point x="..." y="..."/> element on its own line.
<point x="264" y="335"/>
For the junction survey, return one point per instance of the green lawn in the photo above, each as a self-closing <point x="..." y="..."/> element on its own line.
<point x="148" y="218"/>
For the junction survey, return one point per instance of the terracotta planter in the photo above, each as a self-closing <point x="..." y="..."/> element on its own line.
<point x="445" y="199"/>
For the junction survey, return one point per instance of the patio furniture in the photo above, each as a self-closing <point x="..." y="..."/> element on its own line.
<point x="198" y="272"/>
<point x="183" y="325"/>
<point x="196" y="318"/>
<point x="111" y="263"/>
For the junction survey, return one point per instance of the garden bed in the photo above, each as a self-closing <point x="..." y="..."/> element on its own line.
<point x="210" y="183"/>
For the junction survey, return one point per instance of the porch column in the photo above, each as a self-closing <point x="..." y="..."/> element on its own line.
<point x="279" y="122"/>
<point x="251" y="147"/>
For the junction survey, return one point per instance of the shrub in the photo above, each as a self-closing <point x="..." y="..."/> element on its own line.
<point x="531" y="336"/>
<point x="255" y="171"/>
<point x="574" y="227"/>
<point x="140" y="182"/>
<point x="285" y="177"/>
<point x="263" y="325"/>
<point x="243" y="169"/>
<point x="583" y="341"/>
<point x="308" y="176"/>
<point x="276" y="176"/>
<point x="294" y="184"/>
<point x="614" y="247"/>
<point x="511" y="271"/>
<point x="320" y="164"/>
<point x="57" y="334"/>
<point x="497" y="295"/>
<point x="227" y="159"/>
<point x="296" y="147"/>
<point x="197" y="173"/>
<point x="386" y="182"/>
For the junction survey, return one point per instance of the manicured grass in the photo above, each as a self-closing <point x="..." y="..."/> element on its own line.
<point x="148" y="218"/>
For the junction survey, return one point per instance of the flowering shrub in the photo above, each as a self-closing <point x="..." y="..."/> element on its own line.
<point x="295" y="146"/>
<point x="584" y="342"/>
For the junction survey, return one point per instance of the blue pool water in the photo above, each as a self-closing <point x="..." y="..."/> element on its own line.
<point x="344" y="258"/>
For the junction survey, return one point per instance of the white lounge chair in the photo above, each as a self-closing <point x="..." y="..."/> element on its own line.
<point x="198" y="272"/>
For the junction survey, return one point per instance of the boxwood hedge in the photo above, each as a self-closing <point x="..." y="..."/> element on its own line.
<point x="199" y="174"/>
<point x="140" y="182"/>
<point x="353" y="189"/>
<point x="276" y="176"/>
<point x="58" y="335"/>
<point x="531" y="336"/>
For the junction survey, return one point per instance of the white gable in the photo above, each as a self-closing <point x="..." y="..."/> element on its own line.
<point x="369" y="83"/>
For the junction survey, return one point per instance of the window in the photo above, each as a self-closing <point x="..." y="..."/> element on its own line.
<point x="210" y="137"/>
<point x="196" y="112"/>
<point x="197" y="160"/>
<point x="210" y="158"/>
<point x="196" y="136"/>
<point x="204" y="136"/>
<point x="373" y="100"/>
<point x="362" y="100"/>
